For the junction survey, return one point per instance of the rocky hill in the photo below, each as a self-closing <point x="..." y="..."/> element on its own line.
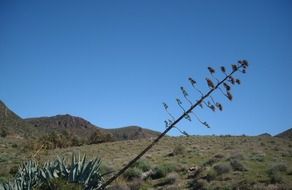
<point x="265" y="135"/>
<point x="72" y="126"/>
<point x="286" y="134"/>
<point x="132" y="133"/>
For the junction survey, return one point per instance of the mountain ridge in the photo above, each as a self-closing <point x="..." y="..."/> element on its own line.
<point x="66" y="123"/>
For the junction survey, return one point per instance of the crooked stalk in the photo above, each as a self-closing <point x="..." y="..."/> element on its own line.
<point x="185" y="113"/>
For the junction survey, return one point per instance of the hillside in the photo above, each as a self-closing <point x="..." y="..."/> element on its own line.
<point x="65" y="126"/>
<point x="13" y="125"/>
<point x="132" y="133"/>
<point x="195" y="162"/>
<point x="286" y="134"/>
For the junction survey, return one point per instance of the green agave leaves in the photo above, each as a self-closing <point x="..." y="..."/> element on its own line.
<point x="80" y="171"/>
<point x="25" y="179"/>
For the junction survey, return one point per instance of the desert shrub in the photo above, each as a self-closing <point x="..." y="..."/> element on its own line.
<point x="179" y="150"/>
<point x="171" y="178"/>
<point x="98" y="137"/>
<point x="198" y="184"/>
<point x="214" y="159"/>
<point x="275" y="177"/>
<point x="219" y="156"/>
<point x="142" y="165"/>
<point x="132" y="173"/>
<point x="3" y="132"/>
<point x="168" y="180"/>
<point x="258" y="157"/>
<point x="274" y="172"/>
<point x="3" y="158"/>
<point x="236" y="156"/>
<point x="105" y="169"/>
<point x="162" y="170"/>
<point x="211" y="175"/>
<point x="14" y="145"/>
<point x="289" y="171"/>
<point x="277" y="168"/>
<point x="221" y="168"/>
<point x="237" y="166"/>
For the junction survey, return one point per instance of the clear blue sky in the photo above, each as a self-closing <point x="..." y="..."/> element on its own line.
<point x="114" y="62"/>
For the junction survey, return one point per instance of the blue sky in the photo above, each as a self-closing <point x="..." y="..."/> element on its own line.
<point x="115" y="62"/>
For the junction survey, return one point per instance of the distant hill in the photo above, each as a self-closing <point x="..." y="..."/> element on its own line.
<point x="71" y="124"/>
<point x="286" y="134"/>
<point x="265" y="135"/>
<point x="65" y="126"/>
<point x="132" y="133"/>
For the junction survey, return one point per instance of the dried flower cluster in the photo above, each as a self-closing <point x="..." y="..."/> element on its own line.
<point x="227" y="82"/>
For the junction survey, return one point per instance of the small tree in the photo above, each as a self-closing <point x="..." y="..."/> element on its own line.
<point x="205" y="100"/>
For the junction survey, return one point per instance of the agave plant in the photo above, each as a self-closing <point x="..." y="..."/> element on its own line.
<point x="80" y="171"/>
<point x="25" y="179"/>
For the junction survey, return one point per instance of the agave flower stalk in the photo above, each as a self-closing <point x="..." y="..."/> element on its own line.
<point x="242" y="64"/>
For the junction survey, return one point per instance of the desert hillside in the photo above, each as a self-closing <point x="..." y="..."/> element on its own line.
<point x="197" y="162"/>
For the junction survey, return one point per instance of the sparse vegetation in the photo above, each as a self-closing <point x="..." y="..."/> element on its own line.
<point x="115" y="154"/>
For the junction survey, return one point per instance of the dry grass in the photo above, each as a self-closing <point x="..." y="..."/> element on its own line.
<point x="256" y="154"/>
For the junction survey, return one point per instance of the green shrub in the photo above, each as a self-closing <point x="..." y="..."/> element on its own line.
<point x="142" y="165"/>
<point x="275" y="177"/>
<point x="179" y="150"/>
<point x="171" y="178"/>
<point x="162" y="170"/>
<point x="211" y="175"/>
<point x="221" y="168"/>
<point x="132" y="173"/>
<point x="274" y="172"/>
<point x="277" y="168"/>
<point x="237" y="166"/>
<point x="198" y="184"/>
